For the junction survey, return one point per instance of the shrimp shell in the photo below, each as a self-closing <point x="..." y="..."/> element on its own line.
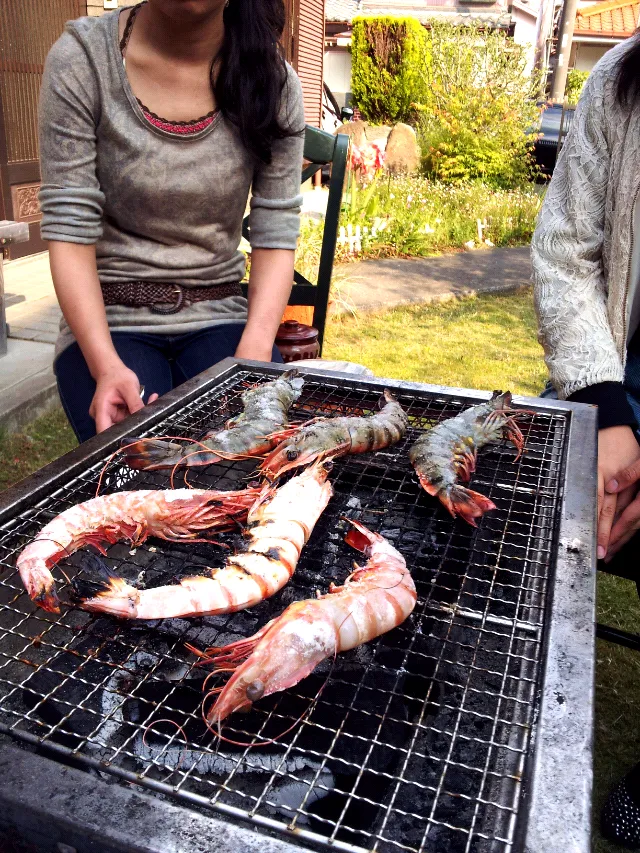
<point x="265" y="412"/>
<point x="448" y="452"/>
<point x="278" y="526"/>
<point x="373" y="600"/>
<point x="335" y="437"/>
<point x="172" y="514"/>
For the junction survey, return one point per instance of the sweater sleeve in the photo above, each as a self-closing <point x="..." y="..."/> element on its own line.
<point x="614" y="408"/>
<point x="274" y="219"/>
<point x="71" y="199"/>
<point x="568" y="270"/>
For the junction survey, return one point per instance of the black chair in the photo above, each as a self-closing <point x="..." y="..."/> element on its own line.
<point x="320" y="149"/>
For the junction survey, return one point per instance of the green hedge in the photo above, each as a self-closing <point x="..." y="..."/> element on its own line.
<point x="388" y="58"/>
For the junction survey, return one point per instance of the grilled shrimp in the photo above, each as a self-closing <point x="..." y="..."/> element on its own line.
<point x="265" y="413"/>
<point x="374" y="599"/>
<point x="278" y="526"/>
<point x="448" y="452"/>
<point x="334" y="437"/>
<point x="174" y="514"/>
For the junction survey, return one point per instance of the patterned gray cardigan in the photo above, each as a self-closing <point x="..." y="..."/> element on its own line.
<point x="583" y="243"/>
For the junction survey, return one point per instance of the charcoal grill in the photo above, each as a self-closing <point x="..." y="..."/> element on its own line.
<point x="468" y="728"/>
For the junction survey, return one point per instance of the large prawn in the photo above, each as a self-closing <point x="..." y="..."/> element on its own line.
<point x="278" y="526"/>
<point x="266" y="408"/>
<point x="173" y="514"/>
<point x="448" y="453"/>
<point x="373" y="600"/>
<point x="335" y="437"/>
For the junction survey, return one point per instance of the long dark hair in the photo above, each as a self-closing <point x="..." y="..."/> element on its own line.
<point x="252" y="76"/>
<point x="628" y="83"/>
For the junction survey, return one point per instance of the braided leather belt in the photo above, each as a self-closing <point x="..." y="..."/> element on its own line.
<point x="162" y="297"/>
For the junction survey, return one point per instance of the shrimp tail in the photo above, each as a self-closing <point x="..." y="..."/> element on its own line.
<point x="466" y="503"/>
<point x="459" y="500"/>
<point x="359" y="537"/>
<point x="47" y="598"/>
<point x="152" y="454"/>
<point x="105" y="583"/>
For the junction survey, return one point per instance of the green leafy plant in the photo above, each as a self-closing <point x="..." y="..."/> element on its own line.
<point x="388" y="55"/>
<point x="478" y="108"/>
<point x="575" y="84"/>
<point x="414" y="217"/>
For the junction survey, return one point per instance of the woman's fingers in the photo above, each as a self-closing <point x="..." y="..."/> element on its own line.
<point x="605" y="522"/>
<point x="625" y="478"/>
<point x="624" y="528"/>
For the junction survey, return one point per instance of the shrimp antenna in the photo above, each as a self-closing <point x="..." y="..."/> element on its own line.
<point x="133" y="443"/>
<point x="183" y="754"/>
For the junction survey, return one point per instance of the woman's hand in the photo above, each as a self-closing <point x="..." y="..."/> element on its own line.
<point x="618" y="451"/>
<point x="117" y="396"/>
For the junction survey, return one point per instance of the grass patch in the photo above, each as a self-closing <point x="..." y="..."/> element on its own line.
<point x="483" y="342"/>
<point x="617" y="734"/>
<point x="42" y="441"/>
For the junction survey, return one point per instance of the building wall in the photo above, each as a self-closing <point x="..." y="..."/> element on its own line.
<point x="524" y="33"/>
<point x="586" y="55"/>
<point x="337" y="73"/>
<point x="309" y="55"/>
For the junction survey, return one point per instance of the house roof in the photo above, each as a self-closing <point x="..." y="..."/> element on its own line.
<point x="611" y="19"/>
<point x="422" y="10"/>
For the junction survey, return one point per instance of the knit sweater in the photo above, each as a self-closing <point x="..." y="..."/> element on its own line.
<point x="157" y="207"/>
<point x="583" y="243"/>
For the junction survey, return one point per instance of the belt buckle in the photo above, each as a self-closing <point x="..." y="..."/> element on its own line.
<point x="172" y="309"/>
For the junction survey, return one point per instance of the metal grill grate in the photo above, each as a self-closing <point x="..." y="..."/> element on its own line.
<point x="418" y="741"/>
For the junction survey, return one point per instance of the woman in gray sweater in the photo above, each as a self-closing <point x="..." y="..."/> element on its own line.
<point x="156" y="124"/>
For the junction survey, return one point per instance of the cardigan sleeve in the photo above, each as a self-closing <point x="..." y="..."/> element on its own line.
<point x="568" y="270"/>
<point x="274" y="219"/>
<point x="71" y="199"/>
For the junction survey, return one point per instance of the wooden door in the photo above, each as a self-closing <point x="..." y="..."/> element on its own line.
<point x="28" y="28"/>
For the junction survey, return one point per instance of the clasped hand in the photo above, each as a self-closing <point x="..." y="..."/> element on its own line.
<point x="618" y="489"/>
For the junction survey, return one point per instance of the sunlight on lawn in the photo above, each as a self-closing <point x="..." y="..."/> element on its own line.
<point x="484" y="342"/>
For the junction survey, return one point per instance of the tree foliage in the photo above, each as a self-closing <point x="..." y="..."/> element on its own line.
<point x="388" y="56"/>
<point x="575" y="84"/>
<point x="478" y="108"/>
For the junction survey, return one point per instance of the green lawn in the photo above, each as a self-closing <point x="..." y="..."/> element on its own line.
<point x="488" y="342"/>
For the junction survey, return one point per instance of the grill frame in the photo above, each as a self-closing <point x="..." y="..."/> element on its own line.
<point x="566" y="705"/>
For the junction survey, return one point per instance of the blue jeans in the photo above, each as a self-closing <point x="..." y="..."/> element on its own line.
<point x="161" y="362"/>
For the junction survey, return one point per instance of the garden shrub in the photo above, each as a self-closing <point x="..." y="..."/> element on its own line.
<point x="575" y="84"/>
<point x="413" y="217"/>
<point x="388" y="55"/>
<point x="478" y="108"/>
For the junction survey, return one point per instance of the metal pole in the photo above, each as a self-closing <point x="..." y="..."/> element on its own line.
<point x="543" y="30"/>
<point x="565" y="38"/>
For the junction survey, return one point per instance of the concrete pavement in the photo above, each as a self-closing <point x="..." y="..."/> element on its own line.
<point x="374" y="285"/>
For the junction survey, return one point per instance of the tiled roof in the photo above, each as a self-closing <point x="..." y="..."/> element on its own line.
<point x="613" y="18"/>
<point x="422" y="10"/>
